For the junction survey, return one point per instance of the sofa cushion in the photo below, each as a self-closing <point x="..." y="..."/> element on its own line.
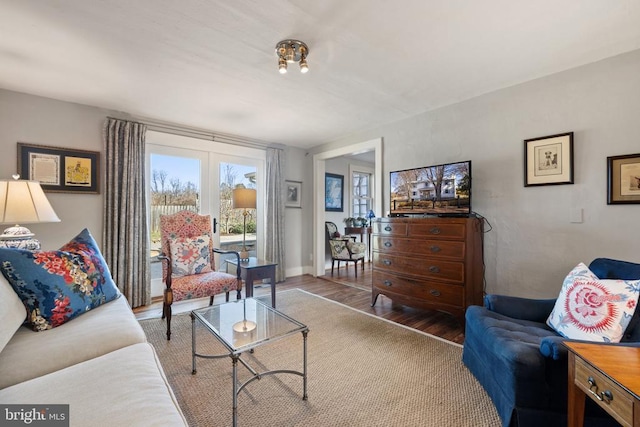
<point x="57" y="286"/>
<point x="593" y="309"/>
<point x="190" y="255"/>
<point x="12" y="312"/>
<point x="126" y="387"/>
<point x="31" y="354"/>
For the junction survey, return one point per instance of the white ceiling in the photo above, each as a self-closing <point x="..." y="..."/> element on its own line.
<point x="210" y="64"/>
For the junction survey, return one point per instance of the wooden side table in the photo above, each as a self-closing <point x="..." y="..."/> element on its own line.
<point x="256" y="269"/>
<point x="610" y="376"/>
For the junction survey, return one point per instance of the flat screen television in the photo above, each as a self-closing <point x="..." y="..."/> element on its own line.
<point x="441" y="190"/>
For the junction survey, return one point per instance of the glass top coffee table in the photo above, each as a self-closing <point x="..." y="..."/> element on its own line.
<point x="241" y="326"/>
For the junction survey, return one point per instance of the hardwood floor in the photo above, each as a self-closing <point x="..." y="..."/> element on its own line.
<point x="344" y="288"/>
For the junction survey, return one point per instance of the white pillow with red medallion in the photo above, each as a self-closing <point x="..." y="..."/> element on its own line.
<point x="593" y="309"/>
<point x="190" y="255"/>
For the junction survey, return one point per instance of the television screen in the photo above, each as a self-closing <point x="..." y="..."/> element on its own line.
<point x="443" y="190"/>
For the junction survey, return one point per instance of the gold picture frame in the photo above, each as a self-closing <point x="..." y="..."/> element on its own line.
<point x="60" y="170"/>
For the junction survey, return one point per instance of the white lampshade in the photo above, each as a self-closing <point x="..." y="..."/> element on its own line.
<point x="244" y="198"/>
<point x="24" y="202"/>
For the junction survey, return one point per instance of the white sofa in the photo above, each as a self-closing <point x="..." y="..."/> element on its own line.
<point x="99" y="363"/>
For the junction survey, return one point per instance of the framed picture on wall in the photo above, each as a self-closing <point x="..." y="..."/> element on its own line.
<point x="294" y="194"/>
<point x="60" y="170"/>
<point x="333" y="192"/>
<point x="548" y="160"/>
<point x="623" y="179"/>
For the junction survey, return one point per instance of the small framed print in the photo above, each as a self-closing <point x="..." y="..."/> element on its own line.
<point x="60" y="170"/>
<point x="333" y="192"/>
<point x="548" y="160"/>
<point x="623" y="179"/>
<point x="294" y="194"/>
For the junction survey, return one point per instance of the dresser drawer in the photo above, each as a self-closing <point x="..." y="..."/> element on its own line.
<point x="389" y="228"/>
<point x="619" y="405"/>
<point x="434" y="248"/>
<point x="432" y="292"/>
<point x="438" y="230"/>
<point x="428" y="267"/>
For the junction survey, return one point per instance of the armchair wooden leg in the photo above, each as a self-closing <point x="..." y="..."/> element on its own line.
<point x="166" y="309"/>
<point x="355" y="267"/>
<point x="332" y="262"/>
<point x="211" y="300"/>
<point x="238" y="294"/>
<point x="227" y="296"/>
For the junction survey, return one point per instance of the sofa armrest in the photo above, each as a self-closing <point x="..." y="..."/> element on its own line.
<point x="536" y="310"/>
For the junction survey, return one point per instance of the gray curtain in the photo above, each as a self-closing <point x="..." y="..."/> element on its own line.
<point x="275" y="244"/>
<point x="125" y="237"/>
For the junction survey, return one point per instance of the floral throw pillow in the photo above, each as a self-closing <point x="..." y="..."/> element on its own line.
<point x="57" y="286"/>
<point x="593" y="309"/>
<point x="190" y="255"/>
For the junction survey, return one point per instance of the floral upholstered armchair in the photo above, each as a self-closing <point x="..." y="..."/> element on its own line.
<point x="343" y="248"/>
<point x="188" y="264"/>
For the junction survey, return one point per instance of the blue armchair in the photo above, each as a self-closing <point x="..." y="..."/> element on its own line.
<point x="521" y="362"/>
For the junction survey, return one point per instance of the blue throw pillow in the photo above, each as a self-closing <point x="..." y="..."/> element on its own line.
<point x="57" y="286"/>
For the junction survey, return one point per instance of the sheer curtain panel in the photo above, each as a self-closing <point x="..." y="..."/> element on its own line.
<point x="125" y="236"/>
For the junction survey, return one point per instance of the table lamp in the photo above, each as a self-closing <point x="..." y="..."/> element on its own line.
<point x="23" y="202"/>
<point x="370" y="215"/>
<point x="244" y="198"/>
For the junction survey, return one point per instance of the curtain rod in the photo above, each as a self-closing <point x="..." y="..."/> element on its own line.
<point x="206" y="135"/>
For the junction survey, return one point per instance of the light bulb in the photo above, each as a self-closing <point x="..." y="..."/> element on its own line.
<point x="282" y="66"/>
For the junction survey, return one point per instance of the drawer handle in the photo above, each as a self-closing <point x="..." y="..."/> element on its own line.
<point x="387" y="228"/>
<point x="435" y="230"/>
<point x="388" y="244"/>
<point x="386" y="261"/>
<point x="605" y="396"/>
<point x="435" y="248"/>
<point x="434" y="293"/>
<point x="434" y="269"/>
<point x="388" y="283"/>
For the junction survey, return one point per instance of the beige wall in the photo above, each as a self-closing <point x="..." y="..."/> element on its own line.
<point x="533" y="243"/>
<point x="36" y="120"/>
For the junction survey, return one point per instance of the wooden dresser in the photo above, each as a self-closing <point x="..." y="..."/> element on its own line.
<point x="433" y="263"/>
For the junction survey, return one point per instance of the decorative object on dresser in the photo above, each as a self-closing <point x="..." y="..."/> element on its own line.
<point x="23" y="202"/>
<point x="433" y="263"/>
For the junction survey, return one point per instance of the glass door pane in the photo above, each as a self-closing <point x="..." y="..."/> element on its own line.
<point x="174" y="184"/>
<point x="233" y="234"/>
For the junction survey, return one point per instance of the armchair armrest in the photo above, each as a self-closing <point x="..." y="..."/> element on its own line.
<point x="237" y="254"/>
<point x="536" y="310"/>
<point x="164" y="258"/>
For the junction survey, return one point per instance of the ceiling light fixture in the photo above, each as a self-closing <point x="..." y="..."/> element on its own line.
<point x="292" y="51"/>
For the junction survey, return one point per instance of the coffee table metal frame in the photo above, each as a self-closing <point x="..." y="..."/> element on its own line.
<point x="236" y="353"/>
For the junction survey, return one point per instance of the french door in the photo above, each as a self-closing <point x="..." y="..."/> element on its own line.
<point x="189" y="173"/>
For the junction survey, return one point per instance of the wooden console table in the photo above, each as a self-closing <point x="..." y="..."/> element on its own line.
<point x="255" y="269"/>
<point x="361" y="231"/>
<point x="610" y="376"/>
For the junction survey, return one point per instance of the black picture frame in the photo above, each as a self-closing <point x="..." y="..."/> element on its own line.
<point x="623" y="179"/>
<point x="60" y="170"/>
<point x="293" y="192"/>
<point x="548" y="160"/>
<point x="333" y="192"/>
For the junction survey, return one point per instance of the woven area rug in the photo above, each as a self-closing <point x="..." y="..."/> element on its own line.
<point x="363" y="371"/>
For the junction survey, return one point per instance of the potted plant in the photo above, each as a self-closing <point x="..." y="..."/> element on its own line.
<point x="349" y="222"/>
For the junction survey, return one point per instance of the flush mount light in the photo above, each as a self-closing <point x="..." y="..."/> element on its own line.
<point x="292" y="51"/>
